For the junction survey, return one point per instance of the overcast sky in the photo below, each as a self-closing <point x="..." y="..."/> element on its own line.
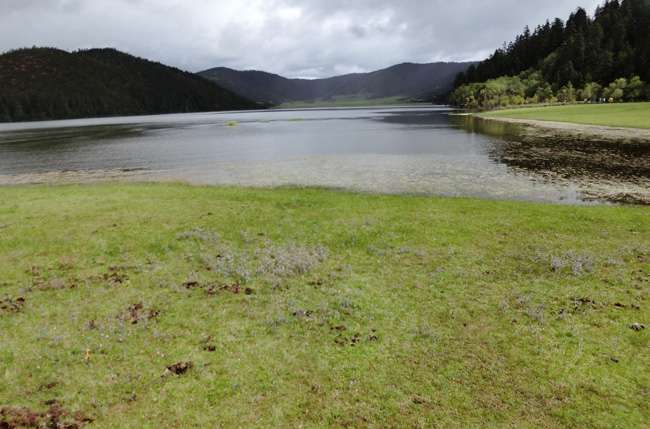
<point x="295" y="38"/>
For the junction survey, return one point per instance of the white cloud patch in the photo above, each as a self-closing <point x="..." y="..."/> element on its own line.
<point x="305" y="38"/>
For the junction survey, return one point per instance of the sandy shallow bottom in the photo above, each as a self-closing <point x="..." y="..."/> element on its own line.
<point x="375" y="174"/>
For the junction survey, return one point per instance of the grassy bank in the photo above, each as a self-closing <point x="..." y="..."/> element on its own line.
<point x="177" y="306"/>
<point x="630" y="115"/>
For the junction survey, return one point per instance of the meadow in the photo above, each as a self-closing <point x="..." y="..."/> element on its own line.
<point x="627" y="115"/>
<point x="168" y="305"/>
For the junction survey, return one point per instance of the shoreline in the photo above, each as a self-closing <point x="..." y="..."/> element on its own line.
<point x="102" y="178"/>
<point x="573" y="131"/>
<point x="603" y="196"/>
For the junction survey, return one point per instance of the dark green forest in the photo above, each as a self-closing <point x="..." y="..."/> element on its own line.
<point x="46" y="83"/>
<point x="604" y="57"/>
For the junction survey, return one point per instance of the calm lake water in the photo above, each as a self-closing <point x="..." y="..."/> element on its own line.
<point x="422" y="150"/>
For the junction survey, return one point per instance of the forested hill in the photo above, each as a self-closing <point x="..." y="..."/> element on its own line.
<point x="45" y="83"/>
<point x="614" y="44"/>
<point x="408" y="80"/>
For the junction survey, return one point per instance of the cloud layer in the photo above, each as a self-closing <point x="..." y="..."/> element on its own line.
<point x="296" y="38"/>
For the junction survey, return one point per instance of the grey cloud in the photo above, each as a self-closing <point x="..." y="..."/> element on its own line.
<point x="305" y="38"/>
<point x="358" y="31"/>
<point x="8" y="6"/>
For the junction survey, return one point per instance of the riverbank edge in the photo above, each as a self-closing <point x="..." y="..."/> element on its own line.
<point x="573" y="131"/>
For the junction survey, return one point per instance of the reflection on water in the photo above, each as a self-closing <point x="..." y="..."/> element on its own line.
<point x="398" y="150"/>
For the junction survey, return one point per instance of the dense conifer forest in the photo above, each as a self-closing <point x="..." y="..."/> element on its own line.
<point x="601" y="58"/>
<point x="46" y="83"/>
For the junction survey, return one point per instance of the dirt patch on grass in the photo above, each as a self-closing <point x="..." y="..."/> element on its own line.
<point x="137" y="313"/>
<point x="179" y="368"/>
<point x="355" y="339"/>
<point x="233" y="288"/>
<point x="345" y="338"/>
<point x="208" y="345"/>
<point x="12" y="305"/>
<point x="43" y="281"/>
<point x="213" y="289"/>
<point x="116" y="276"/>
<point x="55" y="417"/>
<point x="582" y="305"/>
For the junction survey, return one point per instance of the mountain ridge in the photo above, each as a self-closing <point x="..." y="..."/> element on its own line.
<point x="423" y="81"/>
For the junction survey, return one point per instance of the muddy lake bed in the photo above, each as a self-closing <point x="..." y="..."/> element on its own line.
<point x="409" y="150"/>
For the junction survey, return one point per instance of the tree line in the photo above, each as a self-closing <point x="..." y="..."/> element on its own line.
<point x="601" y="58"/>
<point x="529" y="87"/>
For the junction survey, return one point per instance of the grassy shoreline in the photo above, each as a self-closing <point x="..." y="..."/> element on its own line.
<point x="316" y="308"/>
<point x="625" y="115"/>
<point x="609" y="123"/>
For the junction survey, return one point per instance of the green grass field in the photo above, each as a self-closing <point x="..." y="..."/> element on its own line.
<point x="314" y="308"/>
<point x="629" y="115"/>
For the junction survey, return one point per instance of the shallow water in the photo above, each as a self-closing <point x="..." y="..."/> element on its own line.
<point x="392" y="150"/>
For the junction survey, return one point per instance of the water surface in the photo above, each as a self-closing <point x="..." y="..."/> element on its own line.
<point x="422" y="150"/>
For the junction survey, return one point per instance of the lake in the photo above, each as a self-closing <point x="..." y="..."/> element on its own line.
<point x="415" y="150"/>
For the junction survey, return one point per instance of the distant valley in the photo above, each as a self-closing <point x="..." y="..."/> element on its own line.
<point x="48" y="83"/>
<point x="415" y="82"/>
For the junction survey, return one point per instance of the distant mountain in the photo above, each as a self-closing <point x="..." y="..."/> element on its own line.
<point x="413" y="81"/>
<point x="46" y="83"/>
